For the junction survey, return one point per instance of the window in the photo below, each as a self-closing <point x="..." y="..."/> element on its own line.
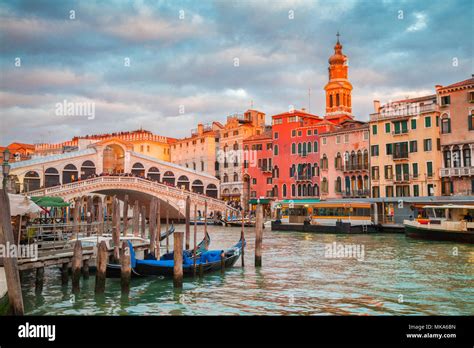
<point x="374" y="150"/>
<point x="277" y="121"/>
<point x="470" y="122"/>
<point x="413" y="146"/>
<point x="293" y="133"/>
<point x="389" y="149"/>
<point x="269" y="180"/>
<point x="275" y="135"/>
<point x="470" y="96"/>
<point x="415" y="170"/>
<point x="366" y="135"/>
<point x="375" y="192"/>
<point x="428" y="122"/>
<point x="427" y="145"/>
<point x="324" y="141"/>
<point x="413" y="123"/>
<point x="338" y="139"/>
<point x="346" y="138"/>
<point x="374" y="129"/>
<point x="308" y="132"/>
<point x="388" y="172"/>
<point x="416" y="190"/>
<point x="148" y="148"/>
<point x="387" y="127"/>
<point x="445" y="125"/>
<point x="309" y="147"/>
<point x="388" y="191"/>
<point x="254" y="181"/>
<point x="299" y="133"/>
<point x="141" y="148"/>
<point x="315" y="146"/>
<point x="375" y="173"/>
<point x="275" y="150"/>
<point x="429" y="169"/>
<point x="445" y="100"/>
<point x="293" y="148"/>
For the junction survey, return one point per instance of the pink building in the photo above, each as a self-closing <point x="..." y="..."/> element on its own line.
<point x="345" y="161"/>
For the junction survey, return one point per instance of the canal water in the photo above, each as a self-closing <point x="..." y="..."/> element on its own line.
<point x="389" y="275"/>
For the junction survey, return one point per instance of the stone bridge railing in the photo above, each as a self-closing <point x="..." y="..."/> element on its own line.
<point x="133" y="183"/>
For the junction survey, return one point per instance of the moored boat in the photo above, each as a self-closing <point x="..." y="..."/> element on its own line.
<point x="444" y="223"/>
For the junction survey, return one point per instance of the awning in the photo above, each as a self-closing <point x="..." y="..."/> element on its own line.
<point x="47" y="201"/>
<point x="299" y="201"/>
<point x="22" y="205"/>
<point x="259" y="201"/>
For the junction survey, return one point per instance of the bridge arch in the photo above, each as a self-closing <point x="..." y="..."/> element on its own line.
<point x="183" y="182"/>
<point x="138" y="169"/>
<point x="32" y="181"/>
<point x="212" y="191"/>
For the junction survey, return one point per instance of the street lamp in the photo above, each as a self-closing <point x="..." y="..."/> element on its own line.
<point x="5" y="167"/>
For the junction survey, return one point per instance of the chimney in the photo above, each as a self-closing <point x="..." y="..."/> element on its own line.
<point x="303" y="109"/>
<point x="376" y="106"/>
<point x="200" y="128"/>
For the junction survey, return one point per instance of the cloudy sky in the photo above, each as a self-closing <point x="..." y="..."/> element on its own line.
<point x="182" y="57"/>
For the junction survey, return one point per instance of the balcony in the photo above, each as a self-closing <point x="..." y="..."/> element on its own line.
<point x="456" y="171"/>
<point x="242" y="118"/>
<point x="403" y="155"/>
<point x="355" y="167"/>
<point x="401" y="111"/>
<point x="266" y="169"/>
<point x="303" y="177"/>
<point x="356" y="193"/>
<point x="399" y="178"/>
<point x="302" y="154"/>
<point x="400" y="132"/>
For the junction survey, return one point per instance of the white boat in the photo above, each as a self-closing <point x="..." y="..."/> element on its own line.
<point x="447" y="222"/>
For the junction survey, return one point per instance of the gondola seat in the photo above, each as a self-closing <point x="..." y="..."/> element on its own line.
<point x="210" y="256"/>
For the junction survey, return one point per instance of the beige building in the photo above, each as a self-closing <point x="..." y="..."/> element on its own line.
<point x="456" y="106"/>
<point x="405" y="148"/>
<point x="198" y="152"/>
<point x="230" y="155"/>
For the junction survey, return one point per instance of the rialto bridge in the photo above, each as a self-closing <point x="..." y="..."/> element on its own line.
<point x="112" y="168"/>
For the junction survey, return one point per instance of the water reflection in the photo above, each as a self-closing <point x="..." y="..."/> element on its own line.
<point x="297" y="278"/>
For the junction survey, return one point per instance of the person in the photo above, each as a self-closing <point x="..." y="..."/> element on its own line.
<point x="468" y="217"/>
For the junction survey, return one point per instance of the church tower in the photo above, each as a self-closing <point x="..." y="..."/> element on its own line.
<point x="338" y="89"/>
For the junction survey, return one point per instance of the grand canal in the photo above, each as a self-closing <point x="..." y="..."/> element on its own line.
<point x="396" y="276"/>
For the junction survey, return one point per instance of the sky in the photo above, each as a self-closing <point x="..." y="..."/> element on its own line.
<point x="167" y="65"/>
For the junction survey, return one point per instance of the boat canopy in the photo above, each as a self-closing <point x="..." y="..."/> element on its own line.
<point x="448" y="206"/>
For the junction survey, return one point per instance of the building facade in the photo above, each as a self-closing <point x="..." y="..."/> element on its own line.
<point x="405" y="148"/>
<point x="199" y="151"/>
<point x="345" y="161"/>
<point x="229" y="164"/>
<point x="456" y="106"/>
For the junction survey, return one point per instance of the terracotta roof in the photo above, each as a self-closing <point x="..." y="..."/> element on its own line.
<point x="18" y="145"/>
<point x="414" y="100"/>
<point x="296" y="113"/>
<point x="461" y="83"/>
<point x="264" y="136"/>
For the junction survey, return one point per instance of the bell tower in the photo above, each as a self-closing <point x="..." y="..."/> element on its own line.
<point x="338" y="89"/>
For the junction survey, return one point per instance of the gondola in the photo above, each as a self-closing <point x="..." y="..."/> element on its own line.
<point x="165" y="234"/>
<point x="113" y="269"/>
<point x="210" y="261"/>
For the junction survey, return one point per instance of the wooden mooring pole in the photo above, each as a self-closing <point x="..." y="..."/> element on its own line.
<point x="64" y="273"/>
<point x="102" y="256"/>
<point x="76" y="265"/>
<point x="188" y="222"/>
<point x="158" y="230"/>
<point x="116" y="229"/>
<point x="136" y="219"/>
<point x="205" y="221"/>
<point x="12" y="273"/>
<point x="39" y="279"/>
<point x="100" y="217"/>
<point x="125" y="270"/>
<point x="195" y="236"/>
<point x="152" y="224"/>
<point x="242" y="238"/>
<point x="143" y="222"/>
<point x="178" y="260"/>
<point x="167" y="226"/>
<point x="125" y="215"/>
<point x="85" y="269"/>
<point x="258" y="236"/>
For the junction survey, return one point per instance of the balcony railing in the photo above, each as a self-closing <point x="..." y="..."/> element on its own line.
<point x="353" y="167"/>
<point x="356" y="193"/>
<point x="402" y="177"/>
<point x="266" y="168"/>
<point x="400" y="155"/>
<point x="400" y="132"/>
<point x="303" y="177"/>
<point x="456" y="171"/>
<point x="402" y="111"/>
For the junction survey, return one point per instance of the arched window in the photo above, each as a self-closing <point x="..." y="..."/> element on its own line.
<point x="447" y="158"/>
<point x="51" y="177"/>
<point x="87" y="169"/>
<point x="330" y="101"/>
<point x="211" y="190"/>
<point x="315" y="147"/>
<point x="275" y="191"/>
<point x="456" y="156"/>
<point x="309" y="147"/>
<point x="183" y="182"/>
<point x="153" y="174"/>
<point x="299" y="190"/>
<point x="197" y="186"/>
<point x="299" y="148"/>
<point x="31" y="181"/>
<point x="275" y="150"/>
<point x="324" y="185"/>
<point x="338" y="187"/>
<point x="138" y="169"/>
<point x="359" y="159"/>
<point x="236" y="177"/>
<point x="293" y="190"/>
<point x="293" y="148"/>
<point x="226" y="178"/>
<point x="337" y="104"/>
<point x="338" y="161"/>
<point x="70" y="174"/>
<point x="169" y="178"/>
<point x="466" y="151"/>
<point x="324" y="162"/>
<point x="366" y="159"/>
<point x="283" y="190"/>
<point x="347" y="185"/>
<point x="316" y="190"/>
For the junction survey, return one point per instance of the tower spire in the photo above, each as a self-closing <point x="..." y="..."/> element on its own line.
<point x="338" y="36"/>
